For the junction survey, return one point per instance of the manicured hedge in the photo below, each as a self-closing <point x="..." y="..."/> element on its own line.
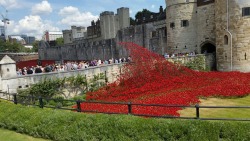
<point x="71" y="126"/>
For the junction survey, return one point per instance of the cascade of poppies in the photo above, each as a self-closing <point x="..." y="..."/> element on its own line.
<point x="149" y="79"/>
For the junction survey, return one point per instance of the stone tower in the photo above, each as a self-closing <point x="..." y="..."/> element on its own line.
<point x="181" y="25"/>
<point x="206" y="40"/>
<point x="232" y="19"/>
<point x="123" y="17"/>
<point x="111" y="22"/>
<point x="108" y="24"/>
<point x="7" y="70"/>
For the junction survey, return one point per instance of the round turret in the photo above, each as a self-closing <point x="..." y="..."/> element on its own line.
<point x="232" y="19"/>
<point x="181" y="25"/>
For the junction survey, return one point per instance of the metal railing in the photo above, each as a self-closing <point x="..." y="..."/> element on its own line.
<point x="41" y="102"/>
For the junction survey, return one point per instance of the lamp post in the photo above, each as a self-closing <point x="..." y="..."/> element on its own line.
<point x="111" y="49"/>
<point x="103" y="51"/>
<point x="91" y="50"/>
<point x="143" y="31"/>
<point x="131" y="37"/>
<point x="61" y="55"/>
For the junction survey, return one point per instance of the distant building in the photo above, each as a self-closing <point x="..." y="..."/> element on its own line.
<point x="16" y="39"/>
<point x="2" y="33"/>
<point x="23" y="39"/>
<point x="28" y="39"/>
<point x="75" y="33"/>
<point x="52" y="35"/>
<point x="2" y="30"/>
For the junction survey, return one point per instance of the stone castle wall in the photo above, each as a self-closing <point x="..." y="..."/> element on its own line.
<point x="84" y="50"/>
<point x="150" y="35"/>
<point x="181" y="39"/>
<point x="21" y="56"/>
<point x="11" y="84"/>
<point x="106" y="49"/>
<point x="205" y="26"/>
<point x="208" y="28"/>
<point x="239" y="26"/>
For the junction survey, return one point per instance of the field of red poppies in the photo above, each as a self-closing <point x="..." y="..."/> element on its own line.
<point x="150" y="79"/>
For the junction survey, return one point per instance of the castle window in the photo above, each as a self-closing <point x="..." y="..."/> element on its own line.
<point x="184" y="23"/>
<point x="225" y="40"/>
<point x="246" y="11"/>
<point x="172" y="25"/>
<point x="153" y="34"/>
<point x="165" y="32"/>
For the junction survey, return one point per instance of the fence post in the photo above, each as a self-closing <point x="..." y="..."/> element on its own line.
<point x="106" y="79"/>
<point x="120" y="71"/>
<point x="15" y="98"/>
<point x="197" y="111"/>
<point x="129" y="108"/>
<point x="78" y="103"/>
<point x="86" y="83"/>
<point x="41" y="102"/>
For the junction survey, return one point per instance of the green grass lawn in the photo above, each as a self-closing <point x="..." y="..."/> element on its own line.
<point x="220" y="113"/>
<point x="6" y="135"/>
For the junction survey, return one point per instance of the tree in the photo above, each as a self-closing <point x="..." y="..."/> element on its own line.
<point x="132" y="21"/>
<point x="140" y="15"/>
<point x="12" y="47"/>
<point x="35" y="46"/>
<point x="59" y="41"/>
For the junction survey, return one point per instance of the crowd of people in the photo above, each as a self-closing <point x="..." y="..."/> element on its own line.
<point x="68" y="66"/>
<point x="166" y="55"/>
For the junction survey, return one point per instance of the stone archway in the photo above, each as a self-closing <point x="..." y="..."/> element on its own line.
<point x="209" y="49"/>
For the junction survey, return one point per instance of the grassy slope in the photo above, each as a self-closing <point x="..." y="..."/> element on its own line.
<point x="6" y="135"/>
<point x="220" y="113"/>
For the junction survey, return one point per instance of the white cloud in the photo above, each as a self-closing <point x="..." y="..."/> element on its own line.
<point x="8" y="4"/>
<point x="72" y="16"/>
<point x="32" y="26"/>
<point x="130" y="11"/>
<point x="42" y="8"/>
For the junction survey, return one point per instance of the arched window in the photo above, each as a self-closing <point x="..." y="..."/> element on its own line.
<point x="225" y="40"/>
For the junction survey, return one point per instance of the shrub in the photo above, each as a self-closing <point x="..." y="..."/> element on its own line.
<point x="65" y="126"/>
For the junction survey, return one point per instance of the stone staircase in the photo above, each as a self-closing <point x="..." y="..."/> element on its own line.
<point x="4" y="95"/>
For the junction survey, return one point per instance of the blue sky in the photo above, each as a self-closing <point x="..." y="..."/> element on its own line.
<point x="33" y="17"/>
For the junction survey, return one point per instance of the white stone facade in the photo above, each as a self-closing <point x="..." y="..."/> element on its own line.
<point x="52" y="35"/>
<point x="75" y="33"/>
<point x="219" y="25"/>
